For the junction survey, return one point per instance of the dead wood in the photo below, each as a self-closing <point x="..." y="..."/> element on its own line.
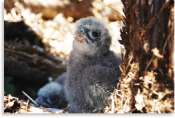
<point x="26" y="61"/>
<point x="147" y="61"/>
<point x="24" y="51"/>
<point x="14" y="105"/>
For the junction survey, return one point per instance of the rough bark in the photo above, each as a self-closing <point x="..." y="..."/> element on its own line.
<point x="148" y="67"/>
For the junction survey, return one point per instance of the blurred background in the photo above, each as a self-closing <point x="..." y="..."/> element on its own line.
<point x="38" y="37"/>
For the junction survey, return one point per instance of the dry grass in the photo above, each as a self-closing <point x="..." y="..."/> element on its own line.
<point x="142" y="89"/>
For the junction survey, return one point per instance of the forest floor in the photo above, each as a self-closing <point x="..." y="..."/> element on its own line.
<point x="38" y="41"/>
<point x="40" y="45"/>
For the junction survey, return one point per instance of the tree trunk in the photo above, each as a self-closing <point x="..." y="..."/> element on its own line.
<point x="148" y="69"/>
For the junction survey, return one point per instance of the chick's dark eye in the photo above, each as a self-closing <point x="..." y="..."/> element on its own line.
<point x="95" y="34"/>
<point x="52" y="100"/>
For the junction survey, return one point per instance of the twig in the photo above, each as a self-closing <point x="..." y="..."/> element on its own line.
<point x="29" y="98"/>
<point x="27" y="105"/>
<point x="153" y="20"/>
<point x="6" y="107"/>
<point x="149" y="63"/>
<point x="165" y="44"/>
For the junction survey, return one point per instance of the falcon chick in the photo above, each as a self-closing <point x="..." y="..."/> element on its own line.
<point x="93" y="70"/>
<point x="52" y="94"/>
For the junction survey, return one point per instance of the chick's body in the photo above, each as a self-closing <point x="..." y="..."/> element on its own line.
<point x="93" y="71"/>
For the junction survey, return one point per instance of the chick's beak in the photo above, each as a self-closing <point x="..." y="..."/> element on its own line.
<point x="81" y="34"/>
